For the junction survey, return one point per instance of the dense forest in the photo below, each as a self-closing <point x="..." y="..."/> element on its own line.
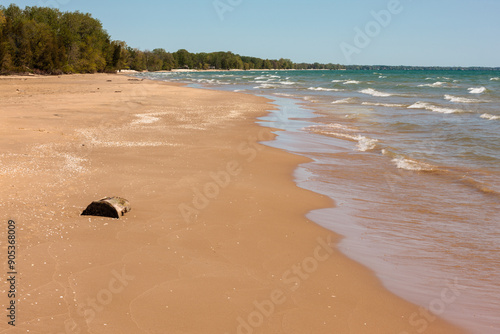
<point x="46" y="41"/>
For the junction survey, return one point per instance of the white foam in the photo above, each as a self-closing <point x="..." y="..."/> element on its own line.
<point x="477" y="90"/>
<point x="343" y="131"/>
<point x="413" y="165"/>
<point x="325" y="89"/>
<point x="490" y="117"/>
<point x="340" y="127"/>
<point x="436" y="84"/>
<point x="265" y="86"/>
<point x="343" y="101"/>
<point x="287" y="82"/>
<point x="373" y="92"/>
<point x="382" y="77"/>
<point x="338" y="80"/>
<point x="431" y="107"/>
<point x="390" y="105"/>
<point x="310" y="99"/>
<point x="205" y="80"/>
<point x="458" y="99"/>
<point x="495" y="79"/>
<point x="342" y="135"/>
<point x="366" y="144"/>
<point x="352" y="82"/>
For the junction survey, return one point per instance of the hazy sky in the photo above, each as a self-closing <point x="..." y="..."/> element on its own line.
<point x="392" y="32"/>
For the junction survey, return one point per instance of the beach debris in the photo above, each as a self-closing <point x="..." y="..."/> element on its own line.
<point x="112" y="207"/>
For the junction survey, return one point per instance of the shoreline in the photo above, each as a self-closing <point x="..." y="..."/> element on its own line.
<point x="245" y="260"/>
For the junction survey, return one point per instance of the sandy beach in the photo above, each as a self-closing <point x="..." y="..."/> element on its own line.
<point x="216" y="242"/>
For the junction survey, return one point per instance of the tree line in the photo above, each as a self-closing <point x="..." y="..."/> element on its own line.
<point x="46" y="41"/>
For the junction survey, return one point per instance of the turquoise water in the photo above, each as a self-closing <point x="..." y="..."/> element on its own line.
<point x="412" y="160"/>
<point x="454" y="116"/>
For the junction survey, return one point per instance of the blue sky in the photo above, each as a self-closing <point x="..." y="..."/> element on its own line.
<point x="418" y="32"/>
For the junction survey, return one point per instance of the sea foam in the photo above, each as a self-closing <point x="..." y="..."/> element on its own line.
<point x="366" y="144"/>
<point x="325" y="89"/>
<point x="490" y="117"/>
<point x="410" y="164"/>
<point x="477" y="90"/>
<point x="389" y="105"/>
<point x="363" y="143"/>
<point x="345" y="132"/>
<point x="373" y="92"/>
<point x="265" y="86"/>
<point x="431" y="107"/>
<point x="458" y="99"/>
<point x="344" y="101"/>
<point x="436" y="84"/>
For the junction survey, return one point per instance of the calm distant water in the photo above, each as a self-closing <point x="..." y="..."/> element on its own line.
<point x="412" y="159"/>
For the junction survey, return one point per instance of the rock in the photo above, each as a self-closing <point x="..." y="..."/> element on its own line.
<point x="112" y="207"/>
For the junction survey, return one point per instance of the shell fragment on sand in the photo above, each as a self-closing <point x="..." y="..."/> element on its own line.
<point x="112" y="207"/>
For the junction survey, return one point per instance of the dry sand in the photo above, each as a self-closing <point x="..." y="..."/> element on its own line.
<point x="216" y="242"/>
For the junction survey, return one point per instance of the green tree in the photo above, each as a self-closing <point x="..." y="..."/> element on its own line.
<point x="2" y="18"/>
<point x="267" y="65"/>
<point x="183" y="58"/>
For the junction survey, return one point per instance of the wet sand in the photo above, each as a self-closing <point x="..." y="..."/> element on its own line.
<point x="216" y="242"/>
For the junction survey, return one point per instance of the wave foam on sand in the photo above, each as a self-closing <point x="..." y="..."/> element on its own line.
<point x="345" y="132"/>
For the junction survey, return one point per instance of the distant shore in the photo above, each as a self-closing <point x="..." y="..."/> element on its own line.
<point x="217" y="240"/>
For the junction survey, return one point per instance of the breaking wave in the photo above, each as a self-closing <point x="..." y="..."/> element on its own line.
<point x="373" y="92"/>
<point x="325" y="89"/>
<point x="458" y="99"/>
<point x="436" y="84"/>
<point x="431" y="107"/>
<point x="477" y="90"/>
<point x="390" y="105"/>
<point x="345" y="132"/>
<point x="490" y="117"/>
<point x="344" y="101"/>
